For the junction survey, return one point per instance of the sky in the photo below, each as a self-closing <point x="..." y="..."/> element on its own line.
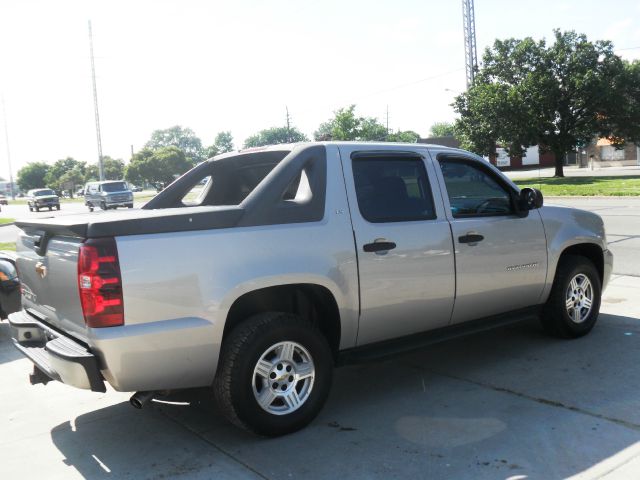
<point x="237" y="65"/>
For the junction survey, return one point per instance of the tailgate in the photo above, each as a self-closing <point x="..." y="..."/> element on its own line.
<point x="47" y="266"/>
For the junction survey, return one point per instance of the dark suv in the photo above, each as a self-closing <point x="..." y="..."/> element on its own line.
<point x="42" y="198"/>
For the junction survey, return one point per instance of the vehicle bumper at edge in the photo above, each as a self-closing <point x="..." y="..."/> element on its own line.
<point x="58" y="356"/>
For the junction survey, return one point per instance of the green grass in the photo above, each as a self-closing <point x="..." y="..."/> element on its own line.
<point x="584" y="186"/>
<point x="6" y="220"/>
<point x="8" y="246"/>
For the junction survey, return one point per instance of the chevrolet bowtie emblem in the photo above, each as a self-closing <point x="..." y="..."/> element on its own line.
<point x="41" y="269"/>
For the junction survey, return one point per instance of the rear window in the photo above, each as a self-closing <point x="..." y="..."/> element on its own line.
<point x="42" y="193"/>
<point x="229" y="181"/>
<point x="114" y="187"/>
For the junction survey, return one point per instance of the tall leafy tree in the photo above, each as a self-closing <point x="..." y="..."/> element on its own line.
<point x="275" y="136"/>
<point x="557" y="96"/>
<point x="183" y="138"/>
<point x="32" y="175"/>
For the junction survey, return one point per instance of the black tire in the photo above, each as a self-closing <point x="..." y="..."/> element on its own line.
<point x="130" y="205"/>
<point x="37" y="209"/>
<point x="90" y="207"/>
<point x="57" y="207"/>
<point x="234" y="383"/>
<point x="30" y="208"/>
<point x="50" y="208"/>
<point x="103" y="205"/>
<point x="555" y="318"/>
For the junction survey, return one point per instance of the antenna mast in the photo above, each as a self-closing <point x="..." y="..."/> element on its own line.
<point x="470" y="50"/>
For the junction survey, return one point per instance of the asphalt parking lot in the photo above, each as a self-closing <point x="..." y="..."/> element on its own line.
<point x="509" y="403"/>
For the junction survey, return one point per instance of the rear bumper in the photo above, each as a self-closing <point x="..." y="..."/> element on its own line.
<point x="58" y="356"/>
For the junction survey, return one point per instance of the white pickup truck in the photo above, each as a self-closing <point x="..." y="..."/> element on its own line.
<point x="256" y="272"/>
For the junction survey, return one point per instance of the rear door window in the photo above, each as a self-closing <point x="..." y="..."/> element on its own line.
<point x="392" y="189"/>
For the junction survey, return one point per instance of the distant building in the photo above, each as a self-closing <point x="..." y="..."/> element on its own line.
<point x="5" y="189"/>
<point x="444" y="141"/>
<point x="603" y="154"/>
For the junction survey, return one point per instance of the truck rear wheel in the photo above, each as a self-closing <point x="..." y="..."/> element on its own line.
<point x="274" y="374"/>
<point x="574" y="302"/>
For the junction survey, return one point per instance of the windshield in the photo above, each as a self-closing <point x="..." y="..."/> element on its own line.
<point x="114" y="187"/>
<point x="42" y="193"/>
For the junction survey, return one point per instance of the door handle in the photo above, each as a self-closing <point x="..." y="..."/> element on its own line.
<point x="471" y="238"/>
<point x="378" y="246"/>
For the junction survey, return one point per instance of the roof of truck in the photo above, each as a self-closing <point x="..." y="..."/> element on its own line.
<point x="291" y="146"/>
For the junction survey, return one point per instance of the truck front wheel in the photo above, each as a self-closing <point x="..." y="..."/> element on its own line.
<point x="274" y="374"/>
<point x="574" y="302"/>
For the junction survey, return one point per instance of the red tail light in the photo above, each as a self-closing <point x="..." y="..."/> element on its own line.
<point x="100" y="283"/>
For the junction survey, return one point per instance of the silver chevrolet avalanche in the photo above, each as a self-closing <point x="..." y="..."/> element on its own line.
<point x="258" y="271"/>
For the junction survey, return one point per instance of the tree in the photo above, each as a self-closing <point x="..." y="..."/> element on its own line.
<point x="157" y="166"/>
<point x="72" y="179"/>
<point x="113" y="169"/>
<point x="556" y="96"/>
<point x="224" y="142"/>
<point x="406" y="136"/>
<point x="54" y="176"/>
<point x="137" y="170"/>
<point x="345" y="125"/>
<point x="32" y="175"/>
<point x="275" y="136"/>
<point x="183" y="138"/>
<point x="442" y="129"/>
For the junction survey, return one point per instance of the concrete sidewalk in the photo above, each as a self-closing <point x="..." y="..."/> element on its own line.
<point x="509" y="403"/>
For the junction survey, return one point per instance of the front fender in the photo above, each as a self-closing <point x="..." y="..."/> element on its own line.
<point x="566" y="227"/>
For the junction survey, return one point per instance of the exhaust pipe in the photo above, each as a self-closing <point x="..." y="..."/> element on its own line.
<point x="140" y="399"/>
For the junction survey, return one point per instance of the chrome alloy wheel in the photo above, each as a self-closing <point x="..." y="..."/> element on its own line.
<point x="283" y="378"/>
<point x="579" y="298"/>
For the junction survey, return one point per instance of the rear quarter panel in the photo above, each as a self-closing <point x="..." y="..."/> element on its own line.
<point x="178" y="289"/>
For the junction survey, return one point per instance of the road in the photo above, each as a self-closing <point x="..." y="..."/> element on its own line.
<point x="621" y="216"/>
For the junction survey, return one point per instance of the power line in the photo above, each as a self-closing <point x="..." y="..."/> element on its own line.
<point x="408" y="84"/>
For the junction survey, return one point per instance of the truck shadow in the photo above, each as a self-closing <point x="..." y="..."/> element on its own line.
<point x="496" y="404"/>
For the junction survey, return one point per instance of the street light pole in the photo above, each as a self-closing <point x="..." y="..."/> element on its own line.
<point x="6" y="136"/>
<point x="95" y="106"/>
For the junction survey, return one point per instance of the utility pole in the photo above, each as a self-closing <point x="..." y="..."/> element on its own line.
<point x="288" y="125"/>
<point x="95" y="106"/>
<point x="6" y="137"/>
<point x="470" y="50"/>
<point x="387" y="119"/>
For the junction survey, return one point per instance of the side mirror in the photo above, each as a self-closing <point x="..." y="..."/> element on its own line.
<point x="530" y="198"/>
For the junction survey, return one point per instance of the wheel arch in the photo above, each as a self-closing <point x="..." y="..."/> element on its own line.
<point x="311" y="301"/>
<point x="591" y="251"/>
